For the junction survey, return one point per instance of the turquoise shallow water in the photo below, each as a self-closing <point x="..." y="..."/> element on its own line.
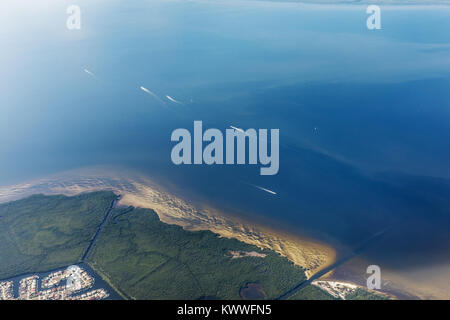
<point x="363" y="115"/>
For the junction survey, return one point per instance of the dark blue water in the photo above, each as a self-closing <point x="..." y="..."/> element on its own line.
<point x="363" y="115"/>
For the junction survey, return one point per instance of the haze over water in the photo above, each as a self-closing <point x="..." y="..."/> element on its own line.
<point x="364" y="116"/>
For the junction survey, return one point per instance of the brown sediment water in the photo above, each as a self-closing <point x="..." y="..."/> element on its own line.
<point x="427" y="282"/>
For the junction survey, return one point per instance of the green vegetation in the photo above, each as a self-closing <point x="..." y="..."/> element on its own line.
<point x="147" y="259"/>
<point x="311" y="293"/>
<point x="362" y="294"/>
<point x="41" y="233"/>
<point x="138" y="255"/>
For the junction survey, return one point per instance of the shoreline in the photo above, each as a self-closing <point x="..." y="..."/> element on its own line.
<point x="139" y="191"/>
<point x="410" y="285"/>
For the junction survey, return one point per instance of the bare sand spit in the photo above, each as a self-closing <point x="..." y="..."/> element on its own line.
<point x="243" y="254"/>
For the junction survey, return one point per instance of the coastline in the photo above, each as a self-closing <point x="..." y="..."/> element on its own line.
<point x="413" y="284"/>
<point x="311" y="254"/>
<point x="139" y="191"/>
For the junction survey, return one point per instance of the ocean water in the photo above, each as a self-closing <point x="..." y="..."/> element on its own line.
<point x="364" y="115"/>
